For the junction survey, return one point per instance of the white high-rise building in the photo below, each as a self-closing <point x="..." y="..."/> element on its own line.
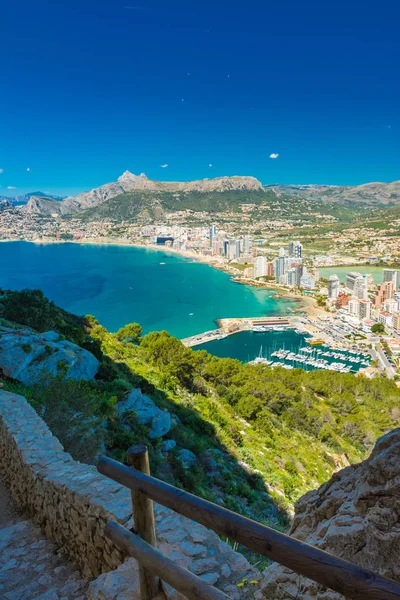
<point x="247" y="244"/>
<point x="260" y="266"/>
<point x="233" y="250"/>
<point x="333" y="287"/>
<point x="354" y="306"/>
<point x="237" y="248"/>
<point x="280" y="266"/>
<point x="360" y="288"/>
<point x="351" y="279"/>
<point x="364" y="309"/>
<point x="392" y="275"/>
<point x="307" y="281"/>
<point x="291" y="277"/>
<point x="213" y="234"/>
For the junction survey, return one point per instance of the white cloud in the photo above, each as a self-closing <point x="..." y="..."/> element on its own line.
<point x="1" y="171"/>
<point x="28" y="169"/>
<point x="274" y="155"/>
<point x="11" y="187"/>
<point x="164" y="166"/>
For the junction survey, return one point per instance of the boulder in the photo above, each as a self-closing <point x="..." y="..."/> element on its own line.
<point x="188" y="459"/>
<point x="168" y="445"/>
<point x="29" y="357"/>
<point x="148" y="413"/>
<point x="355" y="515"/>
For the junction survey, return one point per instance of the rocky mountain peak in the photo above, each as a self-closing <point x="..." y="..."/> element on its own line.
<point x="128" y="176"/>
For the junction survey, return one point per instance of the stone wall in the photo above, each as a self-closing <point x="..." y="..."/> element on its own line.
<point x="72" y="503"/>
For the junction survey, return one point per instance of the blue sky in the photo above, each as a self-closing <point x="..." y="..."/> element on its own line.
<point x="91" y="88"/>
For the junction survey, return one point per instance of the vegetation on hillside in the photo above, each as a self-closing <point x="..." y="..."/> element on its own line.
<point x="145" y="206"/>
<point x="262" y="436"/>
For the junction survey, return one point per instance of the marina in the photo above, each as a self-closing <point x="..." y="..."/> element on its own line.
<point x="284" y="346"/>
<point x="308" y="358"/>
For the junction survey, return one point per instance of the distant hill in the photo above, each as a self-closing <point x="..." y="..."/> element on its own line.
<point x="137" y="198"/>
<point x="140" y="189"/>
<point x="376" y="193"/>
<point x="24" y="199"/>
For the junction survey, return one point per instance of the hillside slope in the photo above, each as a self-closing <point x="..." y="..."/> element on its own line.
<point x="247" y="436"/>
<point x="355" y="515"/>
<point x="153" y="206"/>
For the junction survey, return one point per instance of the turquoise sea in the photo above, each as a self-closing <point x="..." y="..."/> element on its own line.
<point x="247" y="345"/>
<point x="119" y="285"/>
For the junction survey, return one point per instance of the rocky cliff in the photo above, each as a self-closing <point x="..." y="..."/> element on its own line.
<point x="355" y="515"/>
<point x="128" y="182"/>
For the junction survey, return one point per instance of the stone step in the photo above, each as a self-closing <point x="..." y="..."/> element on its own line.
<point x="33" y="568"/>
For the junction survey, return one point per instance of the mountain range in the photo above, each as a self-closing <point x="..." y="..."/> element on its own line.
<point x="130" y="183"/>
<point x="137" y="197"/>
<point x="24" y="198"/>
<point x="368" y="193"/>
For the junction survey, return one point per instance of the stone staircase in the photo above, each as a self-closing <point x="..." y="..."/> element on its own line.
<point x="31" y="566"/>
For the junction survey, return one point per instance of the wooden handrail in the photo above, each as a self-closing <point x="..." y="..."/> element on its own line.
<point x="328" y="570"/>
<point x="193" y="587"/>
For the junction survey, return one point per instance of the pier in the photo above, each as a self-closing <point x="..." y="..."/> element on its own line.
<point x="232" y="326"/>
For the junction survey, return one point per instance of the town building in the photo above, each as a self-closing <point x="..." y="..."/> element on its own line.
<point x="364" y="309"/>
<point x="392" y="275"/>
<point x="260" y="266"/>
<point x="307" y="281"/>
<point x="360" y="288"/>
<point x="233" y="250"/>
<point x="299" y="270"/>
<point x="383" y="292"/>
<point x="247" y="244"/>
<point x="217" y="247"/>
<point x="354" y="305"/>
<point x="333" y="287"/>
<point x="295" y="250"/>
<point x="351" y="279"/>
<point x="280" y="267"/>
<point x="386" y="319"/>
<point x="213" y="234"/>
<point x="291" y="277"/>
<point x="342" y="300"/>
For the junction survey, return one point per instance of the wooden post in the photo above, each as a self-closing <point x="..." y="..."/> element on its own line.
<point x="143" y="515"/>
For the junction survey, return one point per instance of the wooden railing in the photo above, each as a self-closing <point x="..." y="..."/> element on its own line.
<point x="324" y="568"/>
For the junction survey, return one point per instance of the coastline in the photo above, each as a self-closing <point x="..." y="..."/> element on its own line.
<point x="307" y="304"/>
